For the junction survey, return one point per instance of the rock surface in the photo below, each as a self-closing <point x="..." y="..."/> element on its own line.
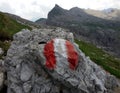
<point x="2" y="76"/>
<point x="1" y="51"/>
<point x="26" y="71"/>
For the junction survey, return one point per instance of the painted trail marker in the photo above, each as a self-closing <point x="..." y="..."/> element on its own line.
<point x="57" y="48"/>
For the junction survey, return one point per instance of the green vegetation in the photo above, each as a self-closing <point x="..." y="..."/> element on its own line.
<point x="105" y="60"/>
<point x="5" y="46"/>
<point x="8" y="27"/>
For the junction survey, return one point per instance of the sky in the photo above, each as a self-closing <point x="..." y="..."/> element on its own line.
<point x="35" y="9"/>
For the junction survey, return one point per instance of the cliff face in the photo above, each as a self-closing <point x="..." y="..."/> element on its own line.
<point x="27" y="73"/>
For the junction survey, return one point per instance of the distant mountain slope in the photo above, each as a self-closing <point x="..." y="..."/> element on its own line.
<point x="23" y="21"/>
<point x="9" y="26"/>
<point x="110" y="13"/>
<point x="41" y="21"/>
<point x="101" y="32"/>
<point x="75" y="15"/>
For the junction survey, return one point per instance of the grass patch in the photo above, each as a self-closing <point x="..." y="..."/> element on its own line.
<point x="8" y="27"/>
<point x="105" y="60"/>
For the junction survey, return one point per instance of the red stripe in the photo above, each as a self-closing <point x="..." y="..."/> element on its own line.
<point x="72" y="55"/>
<point x="50" y="55"/>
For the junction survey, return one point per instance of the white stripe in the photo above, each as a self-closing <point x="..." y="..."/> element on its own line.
<point x="60" y="53"/>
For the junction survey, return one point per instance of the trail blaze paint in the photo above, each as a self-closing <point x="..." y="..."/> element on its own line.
<point x="50" y="55"/>
<point x="65" y="48"/>
<point x="72" y="55"/>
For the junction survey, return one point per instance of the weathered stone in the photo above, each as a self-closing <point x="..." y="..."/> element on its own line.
<point x="27" y="87"/>
<point x="1" y="79"/>
<point x="2" y="75"/>
<point x="16" y="88"/>
<point x="1" y="51"/>
<point x="27" y="73"/>
<point x="1" y="63"/>
<point x="70" y="37"/>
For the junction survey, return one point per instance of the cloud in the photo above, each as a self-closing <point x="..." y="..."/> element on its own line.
<point x="5" y="7"/>
<point x="116" y="3"/>
<point x="35" y="12"/>
<point x="34" y="9"/>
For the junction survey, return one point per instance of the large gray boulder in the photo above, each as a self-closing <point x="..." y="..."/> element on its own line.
<point x="27" y="73"/>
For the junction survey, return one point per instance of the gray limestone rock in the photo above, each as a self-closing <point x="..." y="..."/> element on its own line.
<point x="2" y="75"/>
<point x="1" y="51"/>
<point x="27" y="73"/>
<point x="27" y="87"/>
<point x="1" y="79"/>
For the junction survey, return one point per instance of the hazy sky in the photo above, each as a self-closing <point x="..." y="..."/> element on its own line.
<point x="35" y="9"/>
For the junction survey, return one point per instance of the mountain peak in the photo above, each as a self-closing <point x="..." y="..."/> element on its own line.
<point x="56" y="11"/>
<point x="56" y="5"/>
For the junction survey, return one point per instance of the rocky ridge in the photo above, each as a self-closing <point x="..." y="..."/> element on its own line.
<point x="26" y="72"/>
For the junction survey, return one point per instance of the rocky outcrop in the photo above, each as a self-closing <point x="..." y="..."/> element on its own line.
<point x="26" y="72"/>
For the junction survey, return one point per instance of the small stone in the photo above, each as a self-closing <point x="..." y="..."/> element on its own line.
<point x="27" y="87"/>
<point x="26" y="73"/>
<point x="16" y="89"/>
<point x="1" y="62"/>
<point x="74" y="82"/>
<point x="1" y="79"/>
<point x="70" y="37"/>
<point x="1" y="51"/>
